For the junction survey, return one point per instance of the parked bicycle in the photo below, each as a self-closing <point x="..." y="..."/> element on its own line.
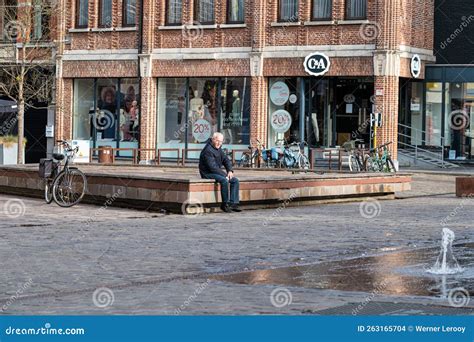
<point x="65" y="184"/>
<point x="295" y="160"/>
<point x="357" y="159"/>
<point x="380" y="159"/>
<point x="252" y="157"/>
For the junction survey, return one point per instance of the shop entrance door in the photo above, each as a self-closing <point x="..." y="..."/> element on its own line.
<point x="316" y="114"/>
<point x="352" y="107"/>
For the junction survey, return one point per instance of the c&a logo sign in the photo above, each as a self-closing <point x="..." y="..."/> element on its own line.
<point x="317" y="64"/>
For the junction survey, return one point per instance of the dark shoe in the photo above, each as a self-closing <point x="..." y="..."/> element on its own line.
<point x="225" y="208"/>
<point x="236" y="208"/>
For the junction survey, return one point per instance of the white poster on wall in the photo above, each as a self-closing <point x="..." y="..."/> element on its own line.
<point x="82" y="156"/>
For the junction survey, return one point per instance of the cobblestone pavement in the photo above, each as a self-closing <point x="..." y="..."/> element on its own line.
<point x="92" y="260"/>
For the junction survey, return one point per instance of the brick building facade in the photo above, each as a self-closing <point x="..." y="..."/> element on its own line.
<point x="234" y="64"/>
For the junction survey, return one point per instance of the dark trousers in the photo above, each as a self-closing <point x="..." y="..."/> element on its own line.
<point x="234" y="187"/>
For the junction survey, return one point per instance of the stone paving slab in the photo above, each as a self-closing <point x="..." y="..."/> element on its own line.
<point x="154" y="263"/>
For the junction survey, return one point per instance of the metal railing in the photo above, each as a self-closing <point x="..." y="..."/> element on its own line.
<point x="418" y="151"/>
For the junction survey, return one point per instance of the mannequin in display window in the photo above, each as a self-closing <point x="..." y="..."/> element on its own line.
<point x="196" y="107"/>
<point x="236" y="109"/>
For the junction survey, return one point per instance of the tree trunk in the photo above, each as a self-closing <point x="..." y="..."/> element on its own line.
<point x="21" y="116"/>
<point x="21" y="131"/>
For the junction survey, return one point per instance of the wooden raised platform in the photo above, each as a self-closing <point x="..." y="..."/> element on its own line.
<point x="180" y="189"/>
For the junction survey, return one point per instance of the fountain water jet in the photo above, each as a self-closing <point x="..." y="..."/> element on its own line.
<point x="446" y="262"/>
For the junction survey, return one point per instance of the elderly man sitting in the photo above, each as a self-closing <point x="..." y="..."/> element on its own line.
<point x="211" y="160"/>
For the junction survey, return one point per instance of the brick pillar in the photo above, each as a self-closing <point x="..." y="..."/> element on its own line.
<point x="148" y="117"/>
<point x="258" y="109"/>
<point x="63" y="115"/>
<point x="387" y="104"/>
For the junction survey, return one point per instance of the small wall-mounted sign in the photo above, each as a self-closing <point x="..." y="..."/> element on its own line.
<point x="49" y="131"/>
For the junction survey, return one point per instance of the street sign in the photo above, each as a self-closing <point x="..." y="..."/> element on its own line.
<point x="376" y="119"/>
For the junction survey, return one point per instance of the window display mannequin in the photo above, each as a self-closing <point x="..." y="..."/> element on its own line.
<point x="196" y="106"/>
<point x="134" y="121"/>
<point x="236" y="109"/>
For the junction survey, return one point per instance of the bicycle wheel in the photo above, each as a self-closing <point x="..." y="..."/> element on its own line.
<point x="353" y="164"/>
<point x="69" y="187"/>
<point x="390" y="166"/>
<point x="371" y="165"/>
<point x="48" y="191"/>
<point x="303" y="162"/>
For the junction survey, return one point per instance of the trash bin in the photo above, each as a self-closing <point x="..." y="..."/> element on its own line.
<point x="106" y="155"/>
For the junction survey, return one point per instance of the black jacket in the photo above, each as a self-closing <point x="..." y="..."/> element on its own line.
<point x="212" y="159"/>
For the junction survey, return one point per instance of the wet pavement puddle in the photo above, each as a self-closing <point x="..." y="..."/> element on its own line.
<point x="401" y="274"/>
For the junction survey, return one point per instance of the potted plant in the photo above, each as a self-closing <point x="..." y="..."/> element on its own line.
<point x="9" y="149"/>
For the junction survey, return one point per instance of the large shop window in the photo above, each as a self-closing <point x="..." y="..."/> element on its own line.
<point x="82" y="13"/>
<point x="322" y="10"/>
<point x="235" y="11"/>
<point x="356" y="9"/>
<point x="459" y="120"/>
<point x="105" y="13"/>
<point x="283" y="111"/>
<point x="288" y="11"/>
<point x="106" y="113"/>
<point x="204" y="11"/>
<point x="434" y="109"/>
<point x="173" y="12"/>
<point x="191" y="110"/>
<point x="129" y="12"/>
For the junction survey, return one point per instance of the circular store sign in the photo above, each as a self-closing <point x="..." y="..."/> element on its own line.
<point x="317" y="64"/>
<point x="201" y="130"/>
<point x="415" y="66"/>
<point x="281" y="121"/>
<point x="279" y="93"/>
<point x="293" y="98"/>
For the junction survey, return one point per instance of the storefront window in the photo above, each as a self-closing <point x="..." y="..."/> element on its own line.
<point x="416" y="106"/>
<point x="83" y="109"/>
<point x="459" y="120"/>
<point x="433" y="113"/>
<point x="115" y="120"/>
<point x="191" y="110"/>
<point x="235" y="110"/>
<point x="283" y="110"/>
